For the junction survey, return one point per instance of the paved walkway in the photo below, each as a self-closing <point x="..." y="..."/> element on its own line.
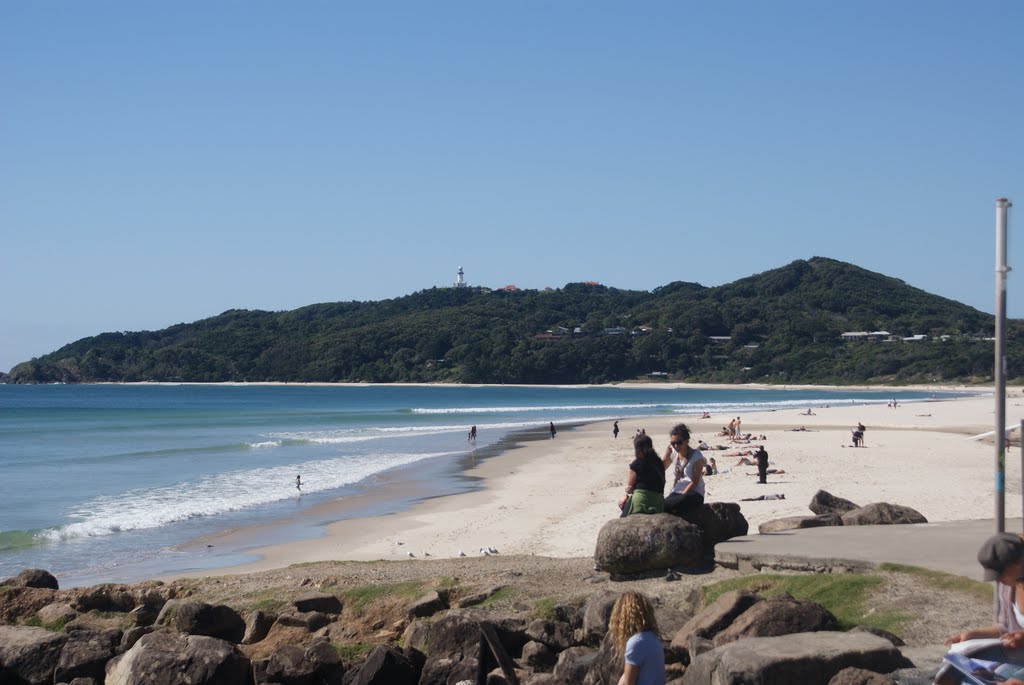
<point x="951" y="547"/>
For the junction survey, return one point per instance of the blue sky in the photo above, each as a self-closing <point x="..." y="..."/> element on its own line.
<point x="164" y="162"/>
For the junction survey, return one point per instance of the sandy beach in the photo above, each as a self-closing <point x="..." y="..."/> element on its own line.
<point x="551" y="497"/>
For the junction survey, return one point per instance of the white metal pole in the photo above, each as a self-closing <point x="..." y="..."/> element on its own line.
<point x="1002" y="204"/>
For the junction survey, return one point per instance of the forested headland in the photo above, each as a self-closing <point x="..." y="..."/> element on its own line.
<point x="781" y="326"/>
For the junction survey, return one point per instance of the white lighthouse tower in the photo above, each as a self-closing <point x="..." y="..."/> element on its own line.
<point x="460" y="280"/>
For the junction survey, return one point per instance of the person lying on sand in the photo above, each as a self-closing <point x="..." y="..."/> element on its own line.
<point x="746" y="462"/>
<point x="801" y="429"/>
<point x="743" y="453"/>
<point x="769" y="471"/>
<point x="760" y="498"/>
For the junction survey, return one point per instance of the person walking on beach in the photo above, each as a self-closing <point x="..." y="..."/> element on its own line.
<point x="298" y="482"/>
<point x="634" y="632"/>
<point x="762" y="464"/>
<point x="551" y="427"/>
<point x="861" y="429"/>
<point x="615" y="430"/>
<point x="472" y="435"/>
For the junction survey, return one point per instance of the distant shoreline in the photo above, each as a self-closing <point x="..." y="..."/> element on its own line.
<point x="938" y="387"/>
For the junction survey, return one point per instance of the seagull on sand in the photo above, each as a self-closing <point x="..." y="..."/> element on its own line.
<point x="411" y="555"/>
<point x="461" y="553"/>
<point x="484" y="552"/>
<point x="492" y="550"/>
<point x="426" y="553"/>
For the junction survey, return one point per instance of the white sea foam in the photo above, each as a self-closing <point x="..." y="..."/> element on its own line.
<point x="221" y="493"/>
<point x="544" y="408"/>
<point x="265" y="444"/>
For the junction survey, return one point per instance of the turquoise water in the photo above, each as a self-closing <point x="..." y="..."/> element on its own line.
<point x="105" y="482"/>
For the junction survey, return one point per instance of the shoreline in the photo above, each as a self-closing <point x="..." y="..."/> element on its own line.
<point x="550" y="497"/>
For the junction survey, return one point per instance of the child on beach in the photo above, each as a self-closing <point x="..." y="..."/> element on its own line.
<point x="634" y="632"/>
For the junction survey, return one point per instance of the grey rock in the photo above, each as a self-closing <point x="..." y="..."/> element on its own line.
<point x="555" y="634"/>
<point x="29" y="655"/>
<point x="642" y="543"/>
<point x="778" y="616"/>
<point x="293" y="665"/>
<point x="310" y="621"/>
<point x="538" y="656"/>
<point x="860" y="676"/>
<point x="714" y="618"/>
<point x="33" y="577"/>
<point x="456" y="633"/>
<point x="795" y="522"/>
<point x="804" y="658"/>
<point x="896" y="640"/>
<point x="427" y="605"/>
<point x="595" y="618"/>
<point x="733" y="523"/>
<point x="257" y="625"/>
<point x="168" y="658"/>
<point x="574" y="663"/>
<point x="57" y="613"/>
<point x="826" y="503"/>
<point x="106" y="597"/>
<point x="133" y="635"/>
<point x="477" y="598"/>
<point x="322" y="602"/>
<point x="385" y="666"/>
<point x="606" y="666"/>
<point x="199" y="618"/>
<point x="86" y="653"/>
<point x="881" y="514"/>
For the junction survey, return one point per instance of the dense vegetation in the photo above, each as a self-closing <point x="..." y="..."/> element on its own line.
<point x="784" y="326"/>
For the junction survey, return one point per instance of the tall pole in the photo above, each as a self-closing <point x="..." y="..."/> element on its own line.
<point x="1002" y="204"/>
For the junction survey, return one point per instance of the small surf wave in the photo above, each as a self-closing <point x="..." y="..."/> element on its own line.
<point x="221" y="493"/>
<point x="11" y="540"/>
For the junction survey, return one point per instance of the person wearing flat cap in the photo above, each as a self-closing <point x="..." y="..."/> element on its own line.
<point x="1002" y="558"/>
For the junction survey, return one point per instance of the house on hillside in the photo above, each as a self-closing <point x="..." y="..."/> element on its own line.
<point x="720" y="339"/>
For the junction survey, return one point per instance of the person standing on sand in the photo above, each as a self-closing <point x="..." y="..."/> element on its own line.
<point x="762" y="464"/>
<point x="615" y="430"/>
<point x="861" y="429"/>
<point x="732" y="428"/>
<point x="472" y="435"/>
<point x="551" y="427"/>
<point x="739" y="425"/>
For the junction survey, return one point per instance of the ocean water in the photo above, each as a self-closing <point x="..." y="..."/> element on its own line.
<point x="113" y="482"/>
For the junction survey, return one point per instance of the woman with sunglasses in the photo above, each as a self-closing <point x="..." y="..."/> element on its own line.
<point x="688" y="489"/>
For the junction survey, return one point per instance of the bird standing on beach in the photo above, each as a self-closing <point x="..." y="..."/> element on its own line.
<point x="492" y="550"/>
<point x="461" y="553"/>
<point x="411" y="555"/>
<point x="484" y="552"/>
<point x="426" y="553"/>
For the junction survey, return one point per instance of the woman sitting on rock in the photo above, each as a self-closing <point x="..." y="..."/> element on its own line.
<point x="688" y="488"/>
<point x="634" y="631"/>
<point x="645" y="485"/>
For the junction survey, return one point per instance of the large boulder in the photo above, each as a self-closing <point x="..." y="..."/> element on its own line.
<point x="86" y="653"/>
<point x="56" y="615"/>
<point x="778" y="616"/>
<point x="795" y="522"/>
<point x="860" y="676"/>
<point x="826" y="503"/>
<point x="595" y="618"/>
<point x="29" y="655"/>
<point x="538" y="656"/>
<point x="714" y="618"/>
<point x="105" y="597"/>
<point x="168" y="658"/>
<point x="257" y="625"/>
<point x="293" y="665"/>
<point x="33" y="577"/>
<point x="555" y="634"/>
<point x="199" y="618"/>
<point x="316" y="601"/>
<point x="426" y="605"/>
<point x="456" y="634"/>
<point x="574" y="663"/>
<point x="881" y="514"/>
<point x="733" y="522"/>
<point x="639" y="543"/>
<point x="385" y="666"/>
<point x="804" y="658"/>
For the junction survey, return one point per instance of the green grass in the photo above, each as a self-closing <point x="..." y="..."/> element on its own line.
<point x="845" y="595"/>
<point x="358" y="598"/>
<point x="353" y="651"/>
<point x="946" y="582"/>
<point x="54" y="627"/>
<point x="545" y="608"/>
<point x="498" y="597"/>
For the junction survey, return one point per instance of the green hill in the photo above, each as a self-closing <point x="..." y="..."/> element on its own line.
<point x="780" y="326"/>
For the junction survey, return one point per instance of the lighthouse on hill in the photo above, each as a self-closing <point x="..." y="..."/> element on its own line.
<point x="460" y="280"/>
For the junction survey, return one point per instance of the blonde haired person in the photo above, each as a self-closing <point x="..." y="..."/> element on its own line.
<point x="634" y="632"/>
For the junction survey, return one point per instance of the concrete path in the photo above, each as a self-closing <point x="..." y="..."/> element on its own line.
<point x="951" y="547"/>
